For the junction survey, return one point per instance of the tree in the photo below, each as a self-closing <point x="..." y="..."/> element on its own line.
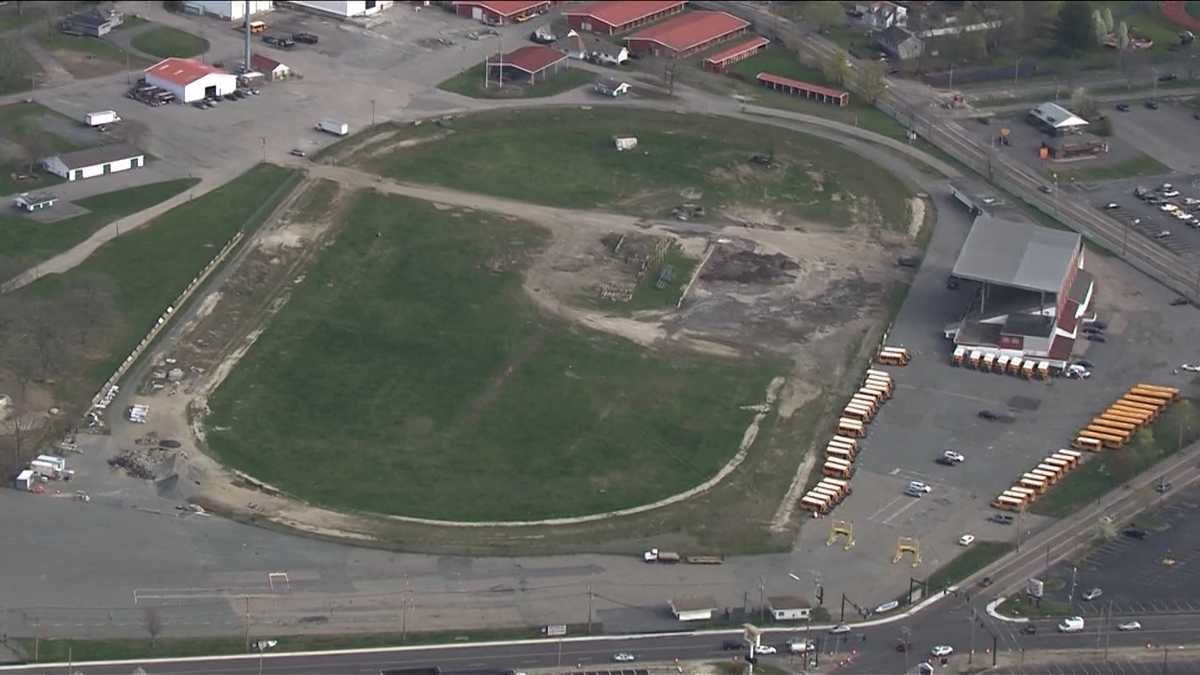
<point x="823" y="13"/>
<point x="836" y="69"/>
<point x="1082" y="103"/>
<point x="872" y="80"/>
<point x="1039" y="15"/>
<point x="1099" y="27"/>
<point x="1074" y="29"/>
<point x="1108" y="20"/>
<point x="1123" y="36"/>
<point x="154" y="624"/>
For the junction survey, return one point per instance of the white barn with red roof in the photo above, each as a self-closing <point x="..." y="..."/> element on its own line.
<point x="190" y="80"/>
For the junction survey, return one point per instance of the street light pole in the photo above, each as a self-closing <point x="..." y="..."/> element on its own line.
<point x="372" y="112"/>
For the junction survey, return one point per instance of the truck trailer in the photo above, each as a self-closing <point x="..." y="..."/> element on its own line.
<point x="334" y="127"/>
<point x="95" y="119"/>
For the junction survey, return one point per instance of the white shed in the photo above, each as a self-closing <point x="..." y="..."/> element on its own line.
<point x="98" y="161"/>
<point x="190" y="80"/>
<point x="228" y="9"/>
<point x="697" y="608"/>
<point x="26" y="479"/>
<point x="789" y="608"/>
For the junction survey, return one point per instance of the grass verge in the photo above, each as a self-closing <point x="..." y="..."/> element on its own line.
<point x="1021" y="605"/>
<point x="27" y="127"/>
<point x="974" y="558"/>
<point x="121" y="289"/>
<point x="53" y="650"/>
<point x="1176" y="428"/>
<point x="649" y="295"/>
<point x="706" y="158"/>
<point x="165" y="41"/>
<point x="470" y="83"/>
<point x="24" y="241"/>
<point x="19" y="71"/>
<point x="421" y="357"/>
<point x="1143" y="165"/>
<point x="315" y="203"/>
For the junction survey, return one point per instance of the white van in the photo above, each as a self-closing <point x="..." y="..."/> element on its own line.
<point x="1071" y="624"/>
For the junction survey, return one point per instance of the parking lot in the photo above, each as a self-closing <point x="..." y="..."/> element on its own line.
<point x="1149" y="217"/>
<point x="1169" y="134"/>
<point x="1113" y="666"/>
<point x="1158" y="574"/>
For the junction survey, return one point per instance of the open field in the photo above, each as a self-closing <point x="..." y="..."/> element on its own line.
<point x="1177" y="427"/>
<point x="470" y="83"/>
<point x="29" y="136"/>
<point x="86" y="57"/>
<point x="571" y="162"/>
<point x="24" y="241"/>
<point x="20" y="69"/>
<point x="1144" y="165"/>
<point x="422" y="361"/>
<point x="165" y="41"/>
<point x="86" y="320"/>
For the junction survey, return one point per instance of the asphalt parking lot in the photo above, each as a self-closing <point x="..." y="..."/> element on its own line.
<point x="1156" y="575"/>
<point x="1170" y="134"/>
<point x="1184" y="238"/>
<point x="1113" y="666"/>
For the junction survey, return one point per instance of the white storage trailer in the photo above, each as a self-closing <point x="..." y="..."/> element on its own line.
<point x="95" y="119"/>
<point x="334" y="127"/>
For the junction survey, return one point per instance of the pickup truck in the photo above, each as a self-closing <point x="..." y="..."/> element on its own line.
<point x="655" y="555"/>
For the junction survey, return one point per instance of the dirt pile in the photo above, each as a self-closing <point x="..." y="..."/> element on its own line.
<point x="748" y="267"/>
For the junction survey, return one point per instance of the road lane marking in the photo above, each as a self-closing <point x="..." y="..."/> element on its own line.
<point x="887" y="506"/>
<point x="912" y="502"/>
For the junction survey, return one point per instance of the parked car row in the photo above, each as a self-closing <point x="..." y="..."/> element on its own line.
<point x="286" y="42"/>
<point x="150" y="95"/>
<point x="214" y="101"/>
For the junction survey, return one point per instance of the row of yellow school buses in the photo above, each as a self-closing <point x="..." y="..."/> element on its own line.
<point x="844" y="446"/>
<point x="1114" y="427"/>
<point x="1003" y="365"/>
<point x="1037" y="480"/>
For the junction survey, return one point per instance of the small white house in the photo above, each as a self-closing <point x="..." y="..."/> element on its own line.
<point x="611" y="87"/>
<point x="31" y="202"/>
<point x="346" y="9"/>
<point x="270" y="68"/>
<point x="789" y="608"/>
<point x="92" y="162"/>
<point x="233" y="10"/>
<point x="190" y="80"/>
<point x="698" y="608"/>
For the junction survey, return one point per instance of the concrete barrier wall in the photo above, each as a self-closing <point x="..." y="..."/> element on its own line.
<point x="166" y="315"/>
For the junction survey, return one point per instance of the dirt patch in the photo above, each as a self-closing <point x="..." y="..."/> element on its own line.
<point x="916" y="212"/>
<point x="750" y="216"/>
<point x="749" y="267"/>
<point x="85" y="66"/>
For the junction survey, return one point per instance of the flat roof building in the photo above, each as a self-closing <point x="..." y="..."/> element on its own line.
<point x="233" y="10"/>
<point x="611" y="18"/>
<point x="346" y="8"/>
<point x="98" y="161"/>
<point x="32" y="201"/>
<point x="789" y="608"/>
<point x="686" y="34"/>
<point x="693" y="608"/>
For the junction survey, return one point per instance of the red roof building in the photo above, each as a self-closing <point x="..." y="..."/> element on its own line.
<point x="718" y="62"/>
<point x="620" y="16"/>
<point x="533" y="63"/>
<point x="181" y="71"/>
<point x="686" y="34"/>
<point x="797" y="88"/>
<point x="190" y="80"/>
<point x="269" y="67"/>
<point x="500" y="12"/>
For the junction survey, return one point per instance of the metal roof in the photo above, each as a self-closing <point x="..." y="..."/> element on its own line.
<point x="182" y="71"/>
<point x="691" y="603"/>
<point x="1057" y="116"/>
<point x="690" y="30"/>
<point x="1016" y="253"/>
<point x="753" y="43"/>
<point x="99" y="155"/>
<point x="803" y="86"/>
<point x="618" y="14"/>
<point x="532" y="59"/>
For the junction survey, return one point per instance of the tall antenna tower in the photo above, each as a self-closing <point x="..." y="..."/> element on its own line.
<point x="246" y="28"/>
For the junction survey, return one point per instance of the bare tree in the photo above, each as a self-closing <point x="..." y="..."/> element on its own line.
<point x="154" y="624"/>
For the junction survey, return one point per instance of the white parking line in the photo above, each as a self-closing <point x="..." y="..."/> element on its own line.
<point x="912" y="502"/>
<point x="887" y="506"/>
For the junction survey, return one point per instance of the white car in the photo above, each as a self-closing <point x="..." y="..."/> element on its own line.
<point x="1111" y="206"/>
<point x="1130" y="625"/>
<point x="1191" y="367"/>
<point x="942" y="650"/>
<point x="839" y="629"/>
<point x="765" y="650"/>
<point x="623" y="656"/>
<point x="1071" y="624"/>
<point x="1185" y="217"/>
<point x="1168" y="208"/>
<point x="954" y="456"/>
<point x="918" y="486"/>
<point x="1170" y="193"/>
<point x="1163" y="235"/>
<point x="966" y="540"/>
<point x="1092" y="594"/>
<point x="1191" y="201"/>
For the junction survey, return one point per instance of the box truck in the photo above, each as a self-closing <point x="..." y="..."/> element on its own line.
<point x="95" y="119"/>
<point x="333" y="127"/>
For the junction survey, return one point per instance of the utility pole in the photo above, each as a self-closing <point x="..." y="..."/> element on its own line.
<point x="246" y="621"/>
<point x="246" y="37"/>
<point x="589" y="609"/>
<point x="842" y="617"/>
<point x="971" y="653"/>
<point x="762" y="600"/>
<point x="1020" y="525"/>
<point x="372" y="112"/>
<point x="1071" y="595"/>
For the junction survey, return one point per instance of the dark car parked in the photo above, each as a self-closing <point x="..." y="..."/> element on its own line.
<point x="306" y="38"/>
